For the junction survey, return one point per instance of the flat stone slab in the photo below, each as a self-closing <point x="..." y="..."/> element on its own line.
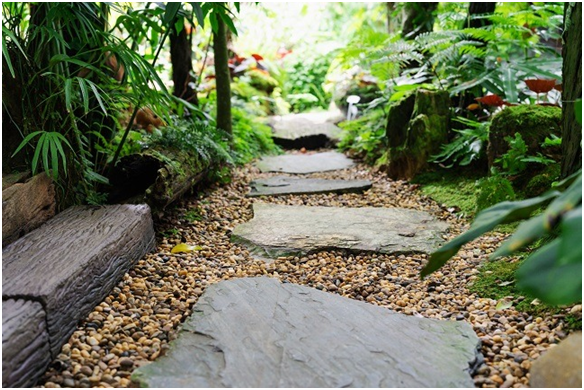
<point x="25" y="343"/>
<point x="258" y="332"/>
<point x="285" y="185"/>
<point x="560" y="366"/>
<point x="279" y="230"/>
<point x="305" y="163"/>
<point x="72" y="262"/>
<point x="309" y="130"/>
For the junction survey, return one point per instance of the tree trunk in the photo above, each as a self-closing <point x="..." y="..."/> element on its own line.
<point x="222" y="78"/>
<point x="419" y="19"/>
<point x="392" y="22"/>
<point x="181" y="59"/>
<point x="572" y="88"/>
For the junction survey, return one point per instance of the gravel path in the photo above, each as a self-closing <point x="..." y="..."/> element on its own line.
<point x="134" y="324"/>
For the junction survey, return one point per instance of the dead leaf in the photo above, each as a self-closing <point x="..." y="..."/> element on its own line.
<point x="185" y="248"/>
<point x="504" y="304"/>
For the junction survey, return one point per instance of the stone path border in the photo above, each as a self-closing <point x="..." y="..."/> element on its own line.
<point x="61" y="271"/>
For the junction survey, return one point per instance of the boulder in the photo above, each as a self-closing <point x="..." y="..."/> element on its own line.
<point x="417" y="126"/>
<point x="258" y="332"/>
<point x="308" y="130"/>
<point x="533" y="122"/>
<point x="26" y="206"/>
<point x="560" y="366"/>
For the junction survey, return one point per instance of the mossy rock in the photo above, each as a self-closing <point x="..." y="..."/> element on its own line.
<point x="542" y="181"/>
<point x="492" y="190"/>
<point x="533" y="122"/>
<point x="417" y="126"/>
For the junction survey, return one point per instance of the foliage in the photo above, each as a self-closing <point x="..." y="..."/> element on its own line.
<point x="306" y="76"/>
<point x="210" y="143"/>
<point x="251" y="138"/>
<point x="492" y="190"/>
<point x="515" y="160"/>
<point x="365" y="136"/>
<point x="467" y="147"/>
<point x="554" y="272"/>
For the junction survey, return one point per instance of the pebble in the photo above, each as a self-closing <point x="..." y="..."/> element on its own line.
<point x="135" y="323"/>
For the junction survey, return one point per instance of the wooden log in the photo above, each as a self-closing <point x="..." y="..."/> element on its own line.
<point x="25" y="343"/>
<point x="25" y="206"/>
<point x="73" y="261"/>
<point x="161" y="175"/>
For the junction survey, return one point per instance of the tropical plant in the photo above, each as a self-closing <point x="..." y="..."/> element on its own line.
<point x="552" y="273"/>
<point x="467" y="147"/>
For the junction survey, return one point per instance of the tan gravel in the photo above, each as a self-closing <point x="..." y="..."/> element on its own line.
<point x="134" y="324"/>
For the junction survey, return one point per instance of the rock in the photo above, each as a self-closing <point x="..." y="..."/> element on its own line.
<point x="533" y="122"/>
<point x="257" y="332"/>
<point x="26" y="206"/>
<point x="300" y="163"/>
<point x="283" y="185"/>
<point x="278" y="230"/>
<point x="25" y="343"/>
<point x="560" y="366"/>
<point x="73" y="261"/>
<point x="417" y="126"/>
<point x="308" y="130"/>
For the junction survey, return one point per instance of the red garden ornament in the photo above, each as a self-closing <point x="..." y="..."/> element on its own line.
<point x="492" y="100"/>
<point x="540" y="85"/>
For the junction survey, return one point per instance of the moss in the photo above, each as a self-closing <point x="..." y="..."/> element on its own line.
<point x="542" y="182"/>
<point x="453" y="188"/>
<point x="496" y="280"/>
<point x="492" y="190"/>
<point x="533" y="122"/>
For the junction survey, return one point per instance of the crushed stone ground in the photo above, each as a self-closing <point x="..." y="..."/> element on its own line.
<point x="135" y="323"/>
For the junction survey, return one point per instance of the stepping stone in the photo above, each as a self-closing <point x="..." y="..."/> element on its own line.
<point x="258" y="332"/>
<point x="25" y="343"/>
<point x="284" y="185"/>
<point x="305" y="163"/>
<point x="308" y="130"/>
<point x="71" y="263"/>
<point x="278" y="230"/>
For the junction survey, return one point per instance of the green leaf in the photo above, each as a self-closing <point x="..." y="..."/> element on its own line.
<point x="570" y="250"/>
<point x="540" y="275"/>
<point x="228" y="22"/>
<point x="170" y="12"/>
<point x="25" y="141"/>
<point x="214" y="22"/>
<point x="525" y="234"/>
<point x="486" y="220"/>
<point x="68" y="94"/>
<point x="97" y="96"/>
<point x="84" y="94"/>
<point x="198" y="13"/>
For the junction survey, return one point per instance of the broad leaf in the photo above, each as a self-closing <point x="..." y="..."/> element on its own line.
<point x="486" y="220"/>
<point x="557" y="284"/>
<point x="170" y="12"/>
<point x="570" y="250"/>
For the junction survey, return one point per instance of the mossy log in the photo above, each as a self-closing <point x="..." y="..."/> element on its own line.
<point x="157" y="176"/>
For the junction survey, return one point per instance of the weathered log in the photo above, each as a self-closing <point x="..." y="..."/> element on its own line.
<point x="25" y="343"/>
<point x="74" y="260"/>
<point x="157" y="176"/>
<point x="25" y="206"/>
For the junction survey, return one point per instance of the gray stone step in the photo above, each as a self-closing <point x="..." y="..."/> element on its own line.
<point x="25" y="343"/>
<point x="279" y="230"/>
<point x="73" y="261"/>
<point x="305" y="163"/>
<point x="285" y="185"/>
<point x="308" y="130"/>
<point x="257" y="332"/>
